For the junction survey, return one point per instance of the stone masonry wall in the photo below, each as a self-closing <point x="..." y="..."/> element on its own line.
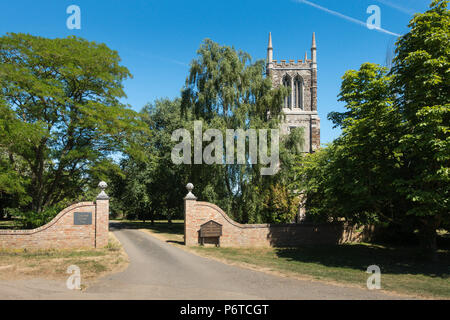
<point x="307" y="117"/>
<point x="261" y="235"/>
<point x="61" y="232"/>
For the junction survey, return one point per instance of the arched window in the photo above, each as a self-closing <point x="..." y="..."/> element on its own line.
<point x="298" y="92"/>
<point x="287" y="99"/>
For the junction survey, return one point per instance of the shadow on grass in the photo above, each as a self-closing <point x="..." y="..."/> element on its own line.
<point x="393" y="260"/>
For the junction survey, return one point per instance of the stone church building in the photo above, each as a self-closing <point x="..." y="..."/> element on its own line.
<point x="300" y="107"/>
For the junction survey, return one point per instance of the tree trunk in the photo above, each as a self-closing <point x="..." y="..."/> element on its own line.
<point x="38" y="178"/>
<point x="428" y="240"/>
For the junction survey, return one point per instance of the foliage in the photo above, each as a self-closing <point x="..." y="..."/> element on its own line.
<point x="225" y="90"/>
<point x="391" y="163"/>
<point x="422" y="85"/>
<point x="152" y="186"/>
<point x="32" y="219"/>
<point x="61" y="117"/>
<point x="280" y="204"/>
<point x="353" y="176"/>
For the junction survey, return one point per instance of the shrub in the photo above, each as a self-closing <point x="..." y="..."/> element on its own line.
<point x="32" y="219"/>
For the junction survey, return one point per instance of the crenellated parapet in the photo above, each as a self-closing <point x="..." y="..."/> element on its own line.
<point x="292" y="63"/>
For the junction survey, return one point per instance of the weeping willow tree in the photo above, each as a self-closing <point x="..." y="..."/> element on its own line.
<point x="226" y="90"/>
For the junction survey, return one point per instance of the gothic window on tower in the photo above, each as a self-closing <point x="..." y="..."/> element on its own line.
<point x="298" y="92"/>
<point x="287" y="99"/>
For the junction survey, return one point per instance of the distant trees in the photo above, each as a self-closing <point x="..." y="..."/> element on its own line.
<point x="60" y="119"/>
<point x="224" y="90"/>
<point x="391" y="164"/>
<point x="149" y="185"/>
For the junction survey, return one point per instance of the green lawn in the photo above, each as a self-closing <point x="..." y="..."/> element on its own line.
<point x="403" y="270"/>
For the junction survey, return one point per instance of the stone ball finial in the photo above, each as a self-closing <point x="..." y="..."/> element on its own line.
<point x="190" y="195"/>
<point x="103" y="185"/>
<point x="102" y="195"/>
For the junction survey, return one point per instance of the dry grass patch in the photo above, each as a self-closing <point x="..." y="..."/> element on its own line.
<point x="52" y="264"/>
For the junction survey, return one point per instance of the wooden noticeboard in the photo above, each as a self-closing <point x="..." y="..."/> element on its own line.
<point x="211" y="229"/>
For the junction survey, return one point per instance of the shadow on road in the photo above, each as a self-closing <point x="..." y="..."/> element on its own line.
<point x="176" y="242"/>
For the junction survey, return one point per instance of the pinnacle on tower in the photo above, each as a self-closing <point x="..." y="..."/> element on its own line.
<point x="314" y="50"/>
<point x="306" y="56"/>
<point x="269" y="52"/>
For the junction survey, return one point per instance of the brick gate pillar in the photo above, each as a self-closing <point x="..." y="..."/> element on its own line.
<point x="190" y="232"/>
<point x="101" y="217"/>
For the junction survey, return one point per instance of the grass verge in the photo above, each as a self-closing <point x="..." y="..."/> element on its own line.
<point x="403" y="271"/>
<point x="52" y="264"/>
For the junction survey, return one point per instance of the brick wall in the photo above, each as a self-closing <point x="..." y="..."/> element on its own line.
<point x="261" y="235"/>
<point x="61" y="232"/>
<point x="102" y="222"/>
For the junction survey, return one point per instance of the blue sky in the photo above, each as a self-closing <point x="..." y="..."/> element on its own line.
<point x="158" y="39"/>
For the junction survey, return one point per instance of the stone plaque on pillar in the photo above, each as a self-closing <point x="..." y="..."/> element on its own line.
<point x="82" y="218"/>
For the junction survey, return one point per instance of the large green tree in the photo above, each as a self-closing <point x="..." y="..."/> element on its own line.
<point x="421" y="82"/>
<point x="14" y="174"/>
<point x="61" y="116"/>
<point x="353" y="177"/>
<point x="391" y="163"/>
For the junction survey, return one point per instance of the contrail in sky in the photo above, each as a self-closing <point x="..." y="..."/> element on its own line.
<point x="150" y="56"/>
<point x="340" y="15"/>
<point x="396" y="6"/>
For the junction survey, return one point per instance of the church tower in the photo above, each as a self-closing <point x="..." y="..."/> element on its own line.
<point x="300" y="107"/>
